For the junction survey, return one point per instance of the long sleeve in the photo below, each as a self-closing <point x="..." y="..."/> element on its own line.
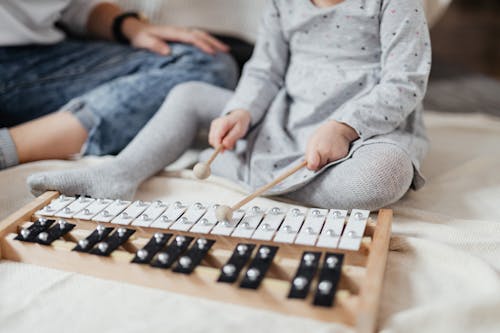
<point x="405" y="62"/>
<point x="75" y="16"/>
<point x="263" y="75"/>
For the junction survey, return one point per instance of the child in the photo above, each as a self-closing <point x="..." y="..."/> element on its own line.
<point x="339" y="83"/>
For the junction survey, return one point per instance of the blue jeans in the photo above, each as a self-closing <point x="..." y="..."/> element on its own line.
<point x="112" y="89"/>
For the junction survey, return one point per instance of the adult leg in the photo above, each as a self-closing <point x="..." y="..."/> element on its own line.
<point x="131" y="85"/>
<point x="35" y="141"/>
<point x="115" y="112"/>
<point x="165" y="137"/>
<point x="375" y="176"/>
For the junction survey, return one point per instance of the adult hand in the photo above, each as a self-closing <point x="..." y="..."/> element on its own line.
<point x="155" y="37"/>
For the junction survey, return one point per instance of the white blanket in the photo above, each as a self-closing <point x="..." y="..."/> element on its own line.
<point x="443" y="271"/>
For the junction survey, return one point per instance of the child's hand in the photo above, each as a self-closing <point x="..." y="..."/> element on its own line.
<point x="330" y="142"/>
<point x="229" y="129"/>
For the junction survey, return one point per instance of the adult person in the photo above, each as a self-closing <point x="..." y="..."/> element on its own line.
<point x="61" y="95"/>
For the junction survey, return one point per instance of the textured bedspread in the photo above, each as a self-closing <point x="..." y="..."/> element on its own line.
<point x="443" y="271"/>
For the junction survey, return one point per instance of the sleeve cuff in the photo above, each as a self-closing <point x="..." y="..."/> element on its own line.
<point x="364" y="132"/>
<point x="256" y="111"/>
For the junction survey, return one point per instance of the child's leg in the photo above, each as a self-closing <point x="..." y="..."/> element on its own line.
<point x="375" y="176"/>
<point x="165" y="137"/>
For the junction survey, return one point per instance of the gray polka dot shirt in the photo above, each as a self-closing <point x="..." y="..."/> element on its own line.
<point x="361" y="62"/>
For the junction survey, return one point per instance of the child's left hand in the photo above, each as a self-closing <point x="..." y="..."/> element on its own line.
<point x="330" y="142"/>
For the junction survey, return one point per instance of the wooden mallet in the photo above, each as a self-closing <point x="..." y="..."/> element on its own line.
<point x="202" y="170"/>
<point x="225" y="213"/>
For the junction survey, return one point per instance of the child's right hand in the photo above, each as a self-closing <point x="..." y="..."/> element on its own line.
<point x="228" y="129"/>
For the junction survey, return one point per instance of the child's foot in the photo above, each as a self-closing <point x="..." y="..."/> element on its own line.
<point x="102" y="181"/>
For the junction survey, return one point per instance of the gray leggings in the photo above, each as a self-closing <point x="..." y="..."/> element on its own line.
<point x="375" y="176"/>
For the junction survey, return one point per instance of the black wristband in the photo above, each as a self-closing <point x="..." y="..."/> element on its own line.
<point x="117" y="26"/>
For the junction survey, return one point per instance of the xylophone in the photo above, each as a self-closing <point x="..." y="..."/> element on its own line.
<point x="316" y="263"/>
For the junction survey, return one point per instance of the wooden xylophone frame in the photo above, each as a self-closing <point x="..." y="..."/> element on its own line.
<point x="356" y="302"/>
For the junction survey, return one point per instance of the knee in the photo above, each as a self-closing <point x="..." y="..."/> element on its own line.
<point x="185" y="91"/>
<point x="190" y="98"/>
<point x="225" y="68"/>
<point x="373" y="178"/>
<point x="219" y="69"/>
<point x="386" y="179"/>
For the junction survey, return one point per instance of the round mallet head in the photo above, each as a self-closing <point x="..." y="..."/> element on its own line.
<point x="201" y="171"/>
<point x="224" y="213"/>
